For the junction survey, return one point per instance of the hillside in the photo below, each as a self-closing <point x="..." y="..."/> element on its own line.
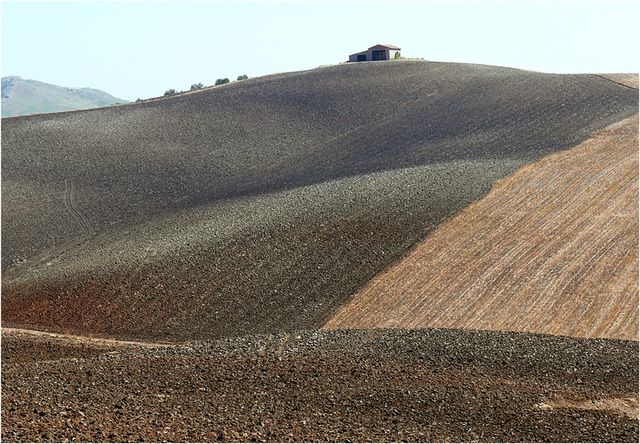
<point x="628" y="79"/>
<point x="551" y="249"/>
<point x="262" y="206"/>
<point x="21" y="96"/>
<point x="167" y="265"/>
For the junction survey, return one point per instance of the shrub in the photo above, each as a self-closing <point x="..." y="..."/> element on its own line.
<point x="243" y="77"/>
<point x="222" y="81"/>
<point x="169" y="92"/>
<point x="196" y="86"/>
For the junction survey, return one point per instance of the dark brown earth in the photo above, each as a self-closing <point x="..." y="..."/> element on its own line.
<point x="88" y="169"/>
<point x="243" y="217"/>
<point x="262" y="206"/>
<point x="337" y="386"/>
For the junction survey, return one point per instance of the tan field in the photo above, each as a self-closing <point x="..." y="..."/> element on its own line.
<point x="551" y="249"/>
<point x="630" y="80"/>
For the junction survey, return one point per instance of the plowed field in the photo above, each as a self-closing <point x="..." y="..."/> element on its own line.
<point x="216" y="231"/>
<point x="264" y="205"/>
<point x="332" y="386"/>
<point x="630" y="80"/>
<point x="552" y="249"/>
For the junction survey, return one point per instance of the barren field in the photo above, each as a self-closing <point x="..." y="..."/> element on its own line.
<point x="167" y="265"/>
<point x="333" y="386"/>
<point x="630" y="80"/>
<point x="264" y="205"/>
<point x="552" y="249"/>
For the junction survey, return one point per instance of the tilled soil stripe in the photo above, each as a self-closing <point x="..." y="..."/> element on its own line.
<point x="76" y="338"/>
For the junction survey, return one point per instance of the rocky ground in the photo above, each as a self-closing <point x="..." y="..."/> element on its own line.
<point x="340" y="386"/>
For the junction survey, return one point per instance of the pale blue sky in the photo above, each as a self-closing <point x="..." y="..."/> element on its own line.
<point x="140" y="49"/>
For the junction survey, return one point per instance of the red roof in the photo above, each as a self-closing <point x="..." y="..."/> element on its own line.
<point x="379" y="46"/>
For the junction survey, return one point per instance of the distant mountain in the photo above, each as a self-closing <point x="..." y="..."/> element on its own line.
<point x="20" y="96"/>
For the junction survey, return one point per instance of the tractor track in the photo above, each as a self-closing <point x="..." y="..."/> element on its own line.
<point x="76" y="338"/>
<point x="71" y="205"/>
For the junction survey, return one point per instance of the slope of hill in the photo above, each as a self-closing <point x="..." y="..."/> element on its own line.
<point x="552" y="249"/>
<point x="20" y="97"/>
<point x="628" y="79"/>
<point x="262" y="206"/>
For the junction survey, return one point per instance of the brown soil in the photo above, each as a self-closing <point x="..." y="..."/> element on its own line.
<point x="250" y="214"/>
<point x="552" y="249"/>
<point x="331" y="386"/>
<point x="31" y="346"/>
<point x="630" y="80"/>
<point x="236" y="210"/>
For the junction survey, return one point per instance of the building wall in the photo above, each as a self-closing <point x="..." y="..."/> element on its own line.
<point x="354" y="57"/>
<point x="390" y="55"/>
<point x="370" y="54"/>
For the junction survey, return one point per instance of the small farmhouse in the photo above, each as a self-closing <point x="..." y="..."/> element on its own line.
<point x="377" y="52"/>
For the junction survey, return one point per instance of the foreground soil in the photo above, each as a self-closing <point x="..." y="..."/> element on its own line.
<point x="353" y="385"/>
<point x="34" y="346"/>
<point x="552" y="249"/>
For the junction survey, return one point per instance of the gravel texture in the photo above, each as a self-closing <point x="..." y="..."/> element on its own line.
<point x="338" y="386"/>
<point x="263" y="205"/>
